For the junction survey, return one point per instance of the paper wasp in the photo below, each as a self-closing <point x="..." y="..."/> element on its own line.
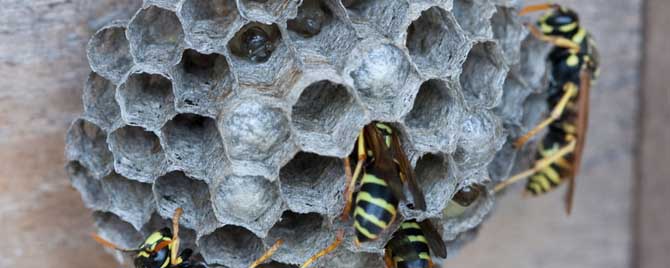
<point x="574" y="61"/>
<point x="161" y="249"/>
<point x="412" y="244"/>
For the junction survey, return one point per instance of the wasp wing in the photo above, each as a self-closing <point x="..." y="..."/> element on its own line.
<point x="383" y="164"/>
<point x="434" y="239"/>
<point x="409" y="176"/>
<point x="582" y="126"/>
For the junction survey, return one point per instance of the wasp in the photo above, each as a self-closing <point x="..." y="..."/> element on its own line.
<point x="411" y="245"/>
<point x="161" y="249"/>
<point x="574" y="65"/>
<point x="463" y="199"/>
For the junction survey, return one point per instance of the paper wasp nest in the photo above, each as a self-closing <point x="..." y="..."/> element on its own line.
<point x="188" y="106"/>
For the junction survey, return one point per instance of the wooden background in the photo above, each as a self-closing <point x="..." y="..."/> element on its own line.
<point x="619" y="221"/>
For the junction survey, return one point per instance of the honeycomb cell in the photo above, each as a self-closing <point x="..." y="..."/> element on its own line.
<point x="509" y="32"/>
<point x="138" y="154"/>
<point x="207" y="23"/>
<point x="175" y="190"/>
<point x="86" y="143"/>
<point x="232" y="246"/>
<point x="249" y="201"/>
<point x="343" y="258"/>
<point x="100" y="106"/>
<point x="434" y="120"/>
<point x="436" y="43"/>
<point x="327" y="117"/>
<point x="166" y="4"/>
<point x="192" y="143"/>
<point x="437" y="177"/>
<point x="533" y="67"/>
<point x="146" y="100"/>
<point x="109" y="53"/>
<point x="385" y="17"/>
<point x="255" y="42"/>
<point x="275" y="264"/>
<point x="313" y="183"/>
<point x="257" y="137"/>
<point x="503" y="162"/>
<point x="156" y="38"/>
<point x="515" y="92"/>
<point x="312" y="16"/>
<point x="483" y="75"/>
<point x="117" y="231"/>
<point x="481" y="136"/>
<point x="471" y="218"/>
<point x="382" y="74"/>
<point x="268" y="11"/>
<point x="474" y="17"/>
<point x="88" y="186"/>
<point x="304" y="235"/>
<point x="202" y="82"/>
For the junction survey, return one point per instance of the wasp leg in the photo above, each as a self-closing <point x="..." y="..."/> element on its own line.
<point x="352" y="179"/>
<point x="108" y="244"/>
<point x="330" y="248"/>
<point x="554" y="40"/>
<point x="174" y="249"/>
<point x="538" y="166"/>
<point x="570" y="90"/>
<point x="388" y="260"/>
<point x="268" y="253"/>
<point x="539" y="7"/>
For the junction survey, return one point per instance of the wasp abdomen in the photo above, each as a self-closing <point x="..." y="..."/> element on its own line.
<point x="409" y="247"/>
<point x="375" y="208"/>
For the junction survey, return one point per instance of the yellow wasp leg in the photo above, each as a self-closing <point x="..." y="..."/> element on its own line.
<point x="539" y="165"/>
<point x="539" y="7"/>
<point x="554" y="40"/>
<point x="351" y="179"/>
<point x="174" y="249"/>
<point x="569" y="91"/>
<point x="271" y="251"/>
<point x="330" y="248"/>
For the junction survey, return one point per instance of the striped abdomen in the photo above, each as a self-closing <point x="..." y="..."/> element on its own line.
<point x="375" y="208"/>
<point x="560" y="134"/>
<point x="408" y="247"/>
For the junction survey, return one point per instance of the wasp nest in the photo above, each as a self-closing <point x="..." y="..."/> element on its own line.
<point x="240" y="112"/>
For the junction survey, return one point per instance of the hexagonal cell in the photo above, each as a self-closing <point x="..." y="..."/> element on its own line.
<point x="436" y="43"/>
<point x="146" y="100"/>
<point x="385" y="17"/>
<point x="249" y="201"/>
<point x="437" y="177"/>
<point x="156" y="38"/>
<point x="117" y="231"/>
<point x="481" y="136"/>
<point x="515" y="92"/>
<point x="166" y="4"/>
<point x="87" y="185"/>
<point x="176" y="190"/>
<point x="86" y="143"/>
<point x="436" y="116"/>
<point x="533" y="63"/>
<point x="207" y="23"/>
<point x="313" y="183"/>
<point x="304" y="235"/>
<point x="100" y="105"/>
<point x="502" y="164"/>
<point x="509" y="31"/>
<point x="257" y="137"/>
<point x="193" y="144"/>
<point x="383" y="78"/>
<point x="109" y="53"/>
<point x="466" y="219"/>
<point x="232" y="246"/>
<point x="343" y="258"/>
<point x="322" y="115"/>
<point x="483" y="75"/>
<point x="202" y="82"/>
<point x="138" y="154"/>
<point x="268" y="11"/>
<point x="255" y="42"/>
<point x="474" y="17"/>
<point x="320" y="35"/>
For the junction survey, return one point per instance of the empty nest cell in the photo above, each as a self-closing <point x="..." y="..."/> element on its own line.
<point x="436" y="43"/>
<point x="268" y="11"/>
<point x="100" y="105"/>
<point x="304" y="235"/>
<point x="313" y="183"/>
<point x="483" y="75"/>
<point x="435" y="117"/>
<point x="515" y="92"/>
<point x="175" y="190"/>
<point x="137" y="152"/>
<point x="320" y="113"/>
<point x="88" y="186"/>
<point x="481" y="137"/>
<point x="109" y="53"/>
<point x="437" y="178"/>
<point x="509" y="31"/>
<point x="250" y="201"/>
<point x="193" y="144"/>
<point x="87" y="143"/>
<point x="208" y="22"/>
<point x="156" y="38"/>
<point x="202" y="82"/>
<point x="533" y="67"/>
<point x="146" y="100"/>
<point x="385" y="17"/>
<point x="474" y="17"/>
<point x="232" y="246"/>
<point x="116" y="230"/>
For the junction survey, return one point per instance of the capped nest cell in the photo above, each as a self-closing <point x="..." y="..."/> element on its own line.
<point x="241" y="112"/>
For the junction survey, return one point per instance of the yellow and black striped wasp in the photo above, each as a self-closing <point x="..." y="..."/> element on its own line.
<point x="412" y="244"/>
<point x="161" y="249"/>
<point x="384" y="168"/>
<point x="574" y="64"/>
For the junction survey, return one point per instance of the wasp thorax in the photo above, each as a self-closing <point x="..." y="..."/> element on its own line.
<point x="312" y="16"/>
<point x="256" y="42"/>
